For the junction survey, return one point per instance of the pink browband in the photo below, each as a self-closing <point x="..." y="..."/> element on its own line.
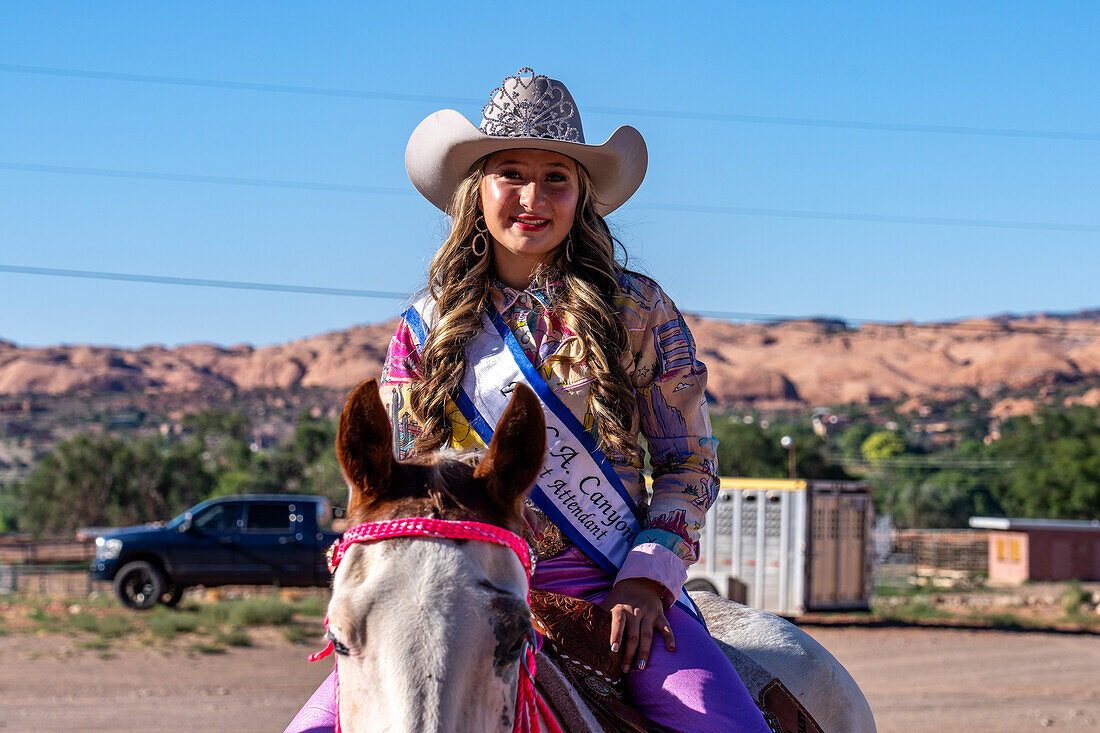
<point x="528" y="702"/>
<point x="425" y="527"/>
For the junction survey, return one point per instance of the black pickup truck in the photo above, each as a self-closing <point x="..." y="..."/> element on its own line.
<point x="232" y="540"/>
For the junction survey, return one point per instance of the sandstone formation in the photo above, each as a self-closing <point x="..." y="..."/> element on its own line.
<point x="790" y="363"/>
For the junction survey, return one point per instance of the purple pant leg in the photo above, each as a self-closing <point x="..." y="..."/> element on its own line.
<point x="694" y="688"/>
<point x="319" y="714"/>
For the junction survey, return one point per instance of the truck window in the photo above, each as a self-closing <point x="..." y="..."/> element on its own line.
<point x="268" y="517"/>
<point x="220" y="518"/>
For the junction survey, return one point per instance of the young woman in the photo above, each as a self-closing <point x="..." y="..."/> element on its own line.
<point x="529" y="266"/>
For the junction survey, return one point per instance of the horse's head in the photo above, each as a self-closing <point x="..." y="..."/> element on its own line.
<point x="429" y="631"/>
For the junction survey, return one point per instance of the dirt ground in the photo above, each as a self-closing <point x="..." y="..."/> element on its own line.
<point x="916" y="679"/>
<point x="921" y="679"/>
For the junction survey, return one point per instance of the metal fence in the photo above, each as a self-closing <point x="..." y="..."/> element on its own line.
<point x="956" y="551"/>
<point x="23" y="549"/>
<point x="63" y="579"/>
<point x="911" y="556"/>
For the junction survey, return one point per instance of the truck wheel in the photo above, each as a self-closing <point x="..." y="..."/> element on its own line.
<point x="139" y="585"/>
<point x="172" y="596"/>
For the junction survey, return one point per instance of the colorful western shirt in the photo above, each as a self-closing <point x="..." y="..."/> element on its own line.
<point x="671" y="412"/>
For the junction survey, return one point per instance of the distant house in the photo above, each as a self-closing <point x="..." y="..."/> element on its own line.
<point x="1041" y="549"/>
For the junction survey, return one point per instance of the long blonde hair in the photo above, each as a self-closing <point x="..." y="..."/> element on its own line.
<point x="459" y="281"/>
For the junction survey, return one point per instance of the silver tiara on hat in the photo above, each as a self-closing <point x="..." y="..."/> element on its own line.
<point x="526" y="111"/>
<point x="530" y="105"/>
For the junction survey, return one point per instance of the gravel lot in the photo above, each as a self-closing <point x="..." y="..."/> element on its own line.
<point x="916" y="679"/>
<point x="920" y="679"/>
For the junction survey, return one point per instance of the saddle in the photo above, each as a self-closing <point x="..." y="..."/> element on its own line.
<point x="577" y="634"/>
<point x="577" y="637"/>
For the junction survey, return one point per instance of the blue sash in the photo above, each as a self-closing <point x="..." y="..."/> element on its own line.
<point x="578" y="488"/>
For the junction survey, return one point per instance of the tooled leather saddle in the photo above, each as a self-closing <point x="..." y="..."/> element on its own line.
<point x="576" y="635"/>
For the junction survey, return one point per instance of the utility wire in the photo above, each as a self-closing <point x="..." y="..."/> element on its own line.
<point x="877" y="218"/>
<point x="621" y="111"/>
<point x="643" y="205"/>
<point x="999" y="324"/>
<point x="202" y="282"/>
<point x="768" y="318"/>
<point x="190" y="178"/>
<point x="921" y="462"/>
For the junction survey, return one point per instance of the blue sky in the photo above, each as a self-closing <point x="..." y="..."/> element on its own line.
<point x="671" y="71"/>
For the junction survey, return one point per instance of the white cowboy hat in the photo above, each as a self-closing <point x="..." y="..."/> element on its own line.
<point x="525" y="111"/>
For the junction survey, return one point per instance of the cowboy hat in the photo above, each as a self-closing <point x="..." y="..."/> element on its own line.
<point x="525" y="111"/>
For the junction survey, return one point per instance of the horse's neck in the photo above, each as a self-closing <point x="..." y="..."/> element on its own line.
<point x="570" y="710"/>
<point x="763" y="647"/>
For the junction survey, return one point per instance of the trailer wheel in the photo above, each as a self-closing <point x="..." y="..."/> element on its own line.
<point x="700" y="584"/>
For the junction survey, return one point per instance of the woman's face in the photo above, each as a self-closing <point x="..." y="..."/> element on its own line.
<point x="528" y="198"/>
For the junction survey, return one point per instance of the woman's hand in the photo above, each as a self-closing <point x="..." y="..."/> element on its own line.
<point x="636" y="610"/>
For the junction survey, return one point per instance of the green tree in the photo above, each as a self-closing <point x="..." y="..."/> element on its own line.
<point x="948" y="498"/>
<point x="882" y="445"/>
<point x="850" y="441"/>
<point x="1056" y="456"/>
<point x="749" y="450"/>
<point x="9" y="507"/>
<point x="223" y="438"/>
<point x="930" y="498"/>
<point x="303" y="463"/>
<point x="100" y="480"/>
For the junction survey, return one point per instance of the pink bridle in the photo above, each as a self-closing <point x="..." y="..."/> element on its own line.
<point x="528" y="701"/>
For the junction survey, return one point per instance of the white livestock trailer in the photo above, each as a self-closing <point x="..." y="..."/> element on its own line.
<point x="788" y="546"/>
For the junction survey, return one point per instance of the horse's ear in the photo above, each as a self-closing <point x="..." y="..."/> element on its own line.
<point x="364" y="443"/>
<point x="516" y="451"/>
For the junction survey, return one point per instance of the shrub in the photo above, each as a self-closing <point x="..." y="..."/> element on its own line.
<point x="1073" y="597"/>
<point x="233" y="637"/>
<point x="260" y="612"/>
<point x="314" y="604"/>
<point x="300" y="634"/>
<point x="85" y="622"/>
<point x="169" y="623"/>
<point x="112" y="627"/>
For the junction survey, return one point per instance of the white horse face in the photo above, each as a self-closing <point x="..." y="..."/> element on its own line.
<point x="429" y="632"/>
<point x="433" y="631"/>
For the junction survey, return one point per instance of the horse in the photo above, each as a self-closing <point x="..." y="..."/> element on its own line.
<point x="433" y="633"/>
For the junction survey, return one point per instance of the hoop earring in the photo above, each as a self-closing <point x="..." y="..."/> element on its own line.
<point x="569" y="247"/>
<point x="481" y="231"/>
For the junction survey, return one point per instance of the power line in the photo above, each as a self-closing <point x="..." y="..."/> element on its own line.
<point x="622" y="111"/>
<point x="202" y="282"/>
<point x="767" y="318"/>
<point x="929" y="463"/>
<point x="876" y="218"/>
<point x="235" y="85"/>
<point x="192" y="178"/>
<point x="1000" y="325"/>
<point x="643" y="205"/>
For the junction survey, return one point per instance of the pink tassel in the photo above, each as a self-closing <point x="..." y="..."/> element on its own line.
<point x="328" y="647"/>
<point x="528" y="702"/>
<point x="321" y="654"/>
